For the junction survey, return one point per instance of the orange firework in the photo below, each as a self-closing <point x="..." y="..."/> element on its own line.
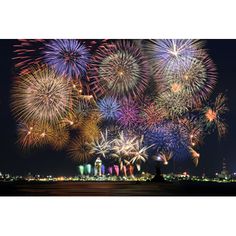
<point x="210" y="115"/>
<point x="214" y="115"/>
<point x="34" y="134"/>
<point x="72" y="121"/>
<point x="194" y="129"/>
<point x="90" y="131"/>
<point x="195" y="156"/>
<point x="59" y="139"/>
<point x="80" y="150"/>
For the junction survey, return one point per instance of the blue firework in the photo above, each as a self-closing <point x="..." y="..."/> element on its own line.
<point x="169" y="137"/>
<point x="109" y="108"/>
<point x="173" y="54"/>
<point x="67" y="57"/>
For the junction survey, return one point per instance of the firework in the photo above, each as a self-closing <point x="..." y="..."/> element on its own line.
<point x="169" y="137"/>
<point x="102" y="146"/>
<point x="109" y="108"/>
<point x="139" y="153"/>
<point x="195" y="156"/>
<point x="123" y="145"/>
<point x="41" y="96"/>
<point x="80" y="150"/>
<point x="59" y="139"/>
<point x="68" y="57"/>
<point x="72" y="121"/>
<point x="213" y="116"/>
<point x="174" y="54"/>
<point x="128" y="115"/>
<point x="151" y="115"/>
<point x="84" y="105"/>
<point x="173" y="104"/>
<point x="194" y="83"/>
<point x="27" y="54"/>
<point x="164" y="157"/>
<point x="194" y="128"/>
<point x="118" y="69"/>
<point x="33" y="134"/>
<point x="90" y="131"/>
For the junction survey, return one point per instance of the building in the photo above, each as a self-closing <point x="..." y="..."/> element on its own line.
<point x="224" y="174"/>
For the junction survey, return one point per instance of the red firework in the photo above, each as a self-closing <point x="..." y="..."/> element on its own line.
<point x="28" y="54"/>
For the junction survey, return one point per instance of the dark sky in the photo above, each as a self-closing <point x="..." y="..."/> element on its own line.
<point x="46" y="161"/>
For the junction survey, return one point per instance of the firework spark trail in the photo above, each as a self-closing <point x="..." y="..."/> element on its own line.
<point x="195" y="156"/>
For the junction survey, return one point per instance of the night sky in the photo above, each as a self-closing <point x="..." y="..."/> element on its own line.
<point x="45" y="161"/>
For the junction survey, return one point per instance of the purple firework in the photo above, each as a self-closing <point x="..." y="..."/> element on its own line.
<point x="128" y="115"/>
<point x="68" y="57"/>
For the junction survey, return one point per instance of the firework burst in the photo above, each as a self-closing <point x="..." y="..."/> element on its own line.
<point x="118" y="69"/>
<point x="102" y="146"/>
<point x="194" y="128"/>
<point x="85" y="104"/>
<point x="109" y="108"/>
<point x="213" y="116"/>
<point x="59" y="139"/>
<point x="194" y="83"/>
<point x="139" y="153"/>
<point x="34" y="134"/>
<point x="174" y="54"/>
<point x="128" y="115"/>
<point x="80" y="150"/>
<point x="72" y="121"/>
<point x="68" y="57"/>
<point x="169" y="137"/>
<point x="41" y="96"/>
<point x="90" y="131"/>
<point x="151" y="115"/>
<point x="123" y="145"/>
<point x="173" y="104"/>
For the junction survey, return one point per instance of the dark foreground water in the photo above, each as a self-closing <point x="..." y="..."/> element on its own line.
<point x="117" y="189"/>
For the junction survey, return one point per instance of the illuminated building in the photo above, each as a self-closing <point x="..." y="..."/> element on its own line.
<point x="98" y="167"/>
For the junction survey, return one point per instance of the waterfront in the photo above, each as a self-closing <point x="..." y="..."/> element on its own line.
<point x="182" y="188"/>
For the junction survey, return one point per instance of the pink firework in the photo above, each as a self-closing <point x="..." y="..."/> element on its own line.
<point x="118" y="69"/>
<point x="27" y="54"/>
<point x="128" y="116"/>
